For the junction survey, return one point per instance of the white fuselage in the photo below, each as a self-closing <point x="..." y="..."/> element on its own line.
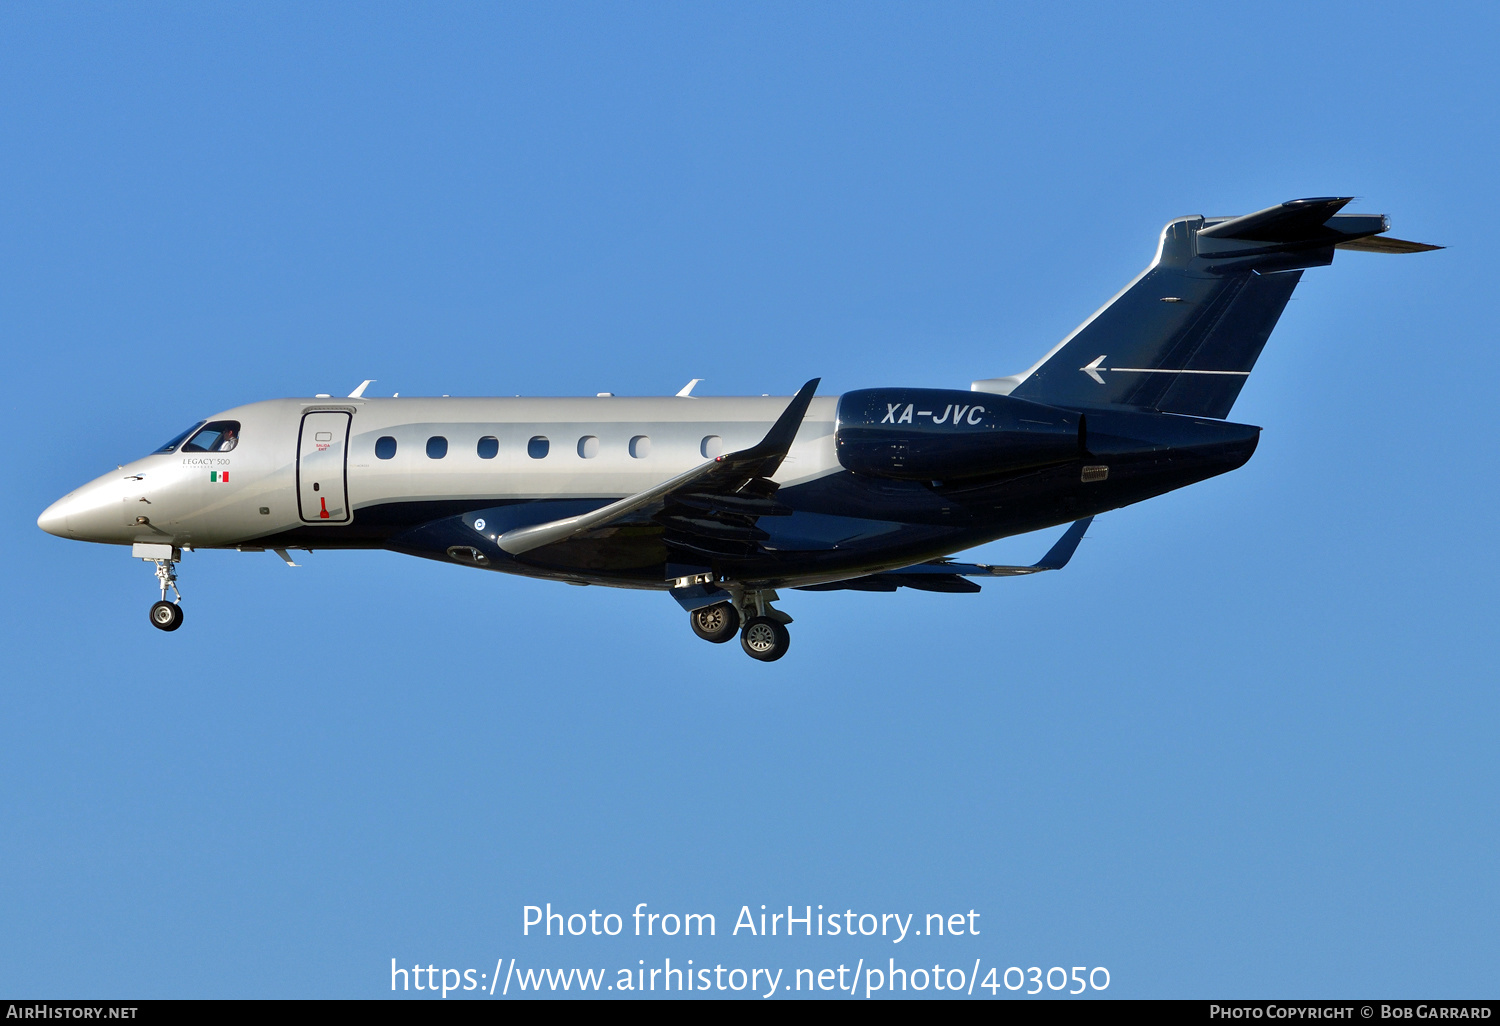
<point x="597" y="448"/>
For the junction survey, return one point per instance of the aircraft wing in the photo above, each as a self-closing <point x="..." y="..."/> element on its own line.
<point x="946" y="576"/>
<point x="704" y="512"/>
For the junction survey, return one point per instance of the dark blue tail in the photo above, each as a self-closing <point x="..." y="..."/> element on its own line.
<point x="1185" y="334"/>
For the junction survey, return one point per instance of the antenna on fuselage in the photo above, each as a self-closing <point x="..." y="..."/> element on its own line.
<point x="359" y="393"/>
<point x="687" y="390"/>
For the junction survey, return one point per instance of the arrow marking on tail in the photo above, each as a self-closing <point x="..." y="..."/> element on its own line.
<point x="1093" y="370"/>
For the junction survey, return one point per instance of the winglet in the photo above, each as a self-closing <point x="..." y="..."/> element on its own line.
<point x="359" y="393"/>
<point x="760" y="460"/>
<point x="686" y="392"/>
<point x="945" y="574"/>
<point x="1058" y="555"/>
<point x="773" y="448"/>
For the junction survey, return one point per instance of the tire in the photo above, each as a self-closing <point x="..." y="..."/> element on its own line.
<point x="716" y="624"/>
<point x="166" y="616"/>
<point x="764" y="639"/>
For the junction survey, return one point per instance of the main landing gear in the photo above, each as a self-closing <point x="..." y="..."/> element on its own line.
<point x="764" y="639"/>
<point x="764" y="635"/>
<point x="165" y="616"/>
<point x="715" y="624"/>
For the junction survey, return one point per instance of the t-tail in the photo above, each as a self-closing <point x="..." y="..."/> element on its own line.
<point x="1185" y="334"/>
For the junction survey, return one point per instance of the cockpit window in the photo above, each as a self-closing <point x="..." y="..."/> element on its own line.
<point x="174" y="443"/>
<point x="215" y="436"/>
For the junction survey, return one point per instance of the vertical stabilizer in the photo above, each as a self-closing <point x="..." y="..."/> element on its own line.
<point x="1185" y="334"/>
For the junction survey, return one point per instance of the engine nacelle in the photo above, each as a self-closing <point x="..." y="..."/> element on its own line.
<point x="933" y="434"/>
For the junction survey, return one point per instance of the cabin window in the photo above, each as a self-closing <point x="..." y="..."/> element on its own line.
<point x="588" y="446"/>
<point x="489" y="446"/>
<point x="712" y="446"/>
<point x="385" y="447"/>
<point x="537" y="447"/>
<point x="437" y="447"/>
<point x="215" y="436"/>
<point x="640" y="446"/>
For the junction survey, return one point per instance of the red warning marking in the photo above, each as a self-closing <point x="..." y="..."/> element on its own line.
<point x="323" y="503"/>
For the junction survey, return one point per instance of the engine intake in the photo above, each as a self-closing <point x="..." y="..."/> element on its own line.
<point x="924" y="434"/>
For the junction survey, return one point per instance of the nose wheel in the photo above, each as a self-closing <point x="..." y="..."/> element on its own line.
<point x="166" y="616"/>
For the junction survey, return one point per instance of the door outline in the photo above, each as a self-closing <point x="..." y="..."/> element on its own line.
<point x="343" y="471"/>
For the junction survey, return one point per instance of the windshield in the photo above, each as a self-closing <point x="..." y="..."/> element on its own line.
<point x="215" y="436"/>
<point x="174" y="443"/>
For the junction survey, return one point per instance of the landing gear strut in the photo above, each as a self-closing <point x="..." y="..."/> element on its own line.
<point x="764" y="636"/>
<point x="165" y="616"/>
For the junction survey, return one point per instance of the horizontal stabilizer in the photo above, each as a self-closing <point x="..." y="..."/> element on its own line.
<point x="1293" y="221"/>
<point x="1386" y="244"/>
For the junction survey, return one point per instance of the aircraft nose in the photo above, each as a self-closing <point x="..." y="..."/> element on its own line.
<point x="90" y="513"/>
<point x="54" y="519"/>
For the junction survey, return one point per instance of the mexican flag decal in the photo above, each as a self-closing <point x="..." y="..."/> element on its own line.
<point x="219" y="476"/>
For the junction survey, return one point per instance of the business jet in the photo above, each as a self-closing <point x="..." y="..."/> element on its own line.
<point x="722" y="503"/>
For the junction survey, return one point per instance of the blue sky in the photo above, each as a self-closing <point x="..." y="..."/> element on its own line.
<point x="1243" y="746"/>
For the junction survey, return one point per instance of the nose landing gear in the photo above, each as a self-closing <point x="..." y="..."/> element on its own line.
<point x="165" y="616"/>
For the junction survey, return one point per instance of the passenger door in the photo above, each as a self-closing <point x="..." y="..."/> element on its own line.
<point x="322" y="467"/>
